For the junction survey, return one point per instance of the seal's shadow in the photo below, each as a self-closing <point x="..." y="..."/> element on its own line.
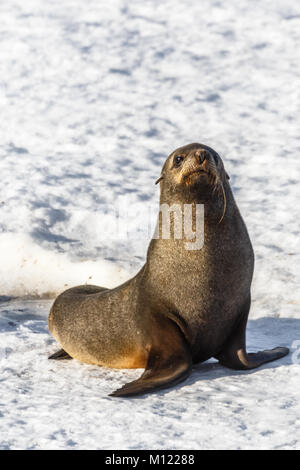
<point x="262" y="333"/>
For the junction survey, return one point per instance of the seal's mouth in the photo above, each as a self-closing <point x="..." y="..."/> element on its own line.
<point x="193" y="172"/>
<point x="191" y="175"/>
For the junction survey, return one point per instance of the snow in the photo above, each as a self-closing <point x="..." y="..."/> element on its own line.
<point x="92" y="100"/>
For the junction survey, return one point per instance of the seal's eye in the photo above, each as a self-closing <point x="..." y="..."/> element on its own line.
<point x="178" y="160"/>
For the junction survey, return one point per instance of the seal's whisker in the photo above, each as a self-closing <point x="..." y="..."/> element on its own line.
<point x="225" y="201"/>
<point x="215" y="182"/>
<point x="159" y="179"/>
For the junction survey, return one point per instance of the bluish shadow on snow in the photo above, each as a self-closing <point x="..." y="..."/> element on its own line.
<point x="14" y="149"/>
<point x="44" y="235"/>
<point x="5" y="298"/>
<point x="21" y="316"/>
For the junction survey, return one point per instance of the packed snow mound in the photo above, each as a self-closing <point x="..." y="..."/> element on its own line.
<point x="28" y="269"/>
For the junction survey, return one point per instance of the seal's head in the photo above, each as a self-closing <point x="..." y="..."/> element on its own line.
<point x="194" y="172"/>
<point x="193" y="165"/>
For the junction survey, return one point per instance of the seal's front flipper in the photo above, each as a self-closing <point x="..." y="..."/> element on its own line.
<point x="59" y="355"/>
<point x="234" y="355"/>
<point x="158" y="374"/>
<point x="169" y="363"/>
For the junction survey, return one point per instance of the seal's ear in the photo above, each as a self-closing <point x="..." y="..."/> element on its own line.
<point x="159" y="179"/>
<point x="227" y="175"/>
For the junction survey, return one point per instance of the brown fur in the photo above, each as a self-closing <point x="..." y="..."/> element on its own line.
<point x="183" y="306"/>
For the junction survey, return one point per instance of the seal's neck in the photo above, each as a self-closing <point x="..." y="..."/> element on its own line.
<point x="218" y="202"/>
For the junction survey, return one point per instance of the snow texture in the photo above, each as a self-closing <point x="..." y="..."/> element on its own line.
<point x="93" y="97"/>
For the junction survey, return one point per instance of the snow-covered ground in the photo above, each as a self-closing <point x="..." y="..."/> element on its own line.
<point x="47" y="404"/>
<point x="93" y="97"/>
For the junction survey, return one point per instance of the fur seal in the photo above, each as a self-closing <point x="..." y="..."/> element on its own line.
<point x="183" y="306"/>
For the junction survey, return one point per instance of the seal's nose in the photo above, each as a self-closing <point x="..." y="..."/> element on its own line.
<point x="201" y="155"/>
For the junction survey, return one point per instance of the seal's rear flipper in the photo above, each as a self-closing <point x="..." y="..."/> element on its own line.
<point x="234" y="355"/>
<point x="59" y="355"/>
<point x="241" y="360"/>
<point x="169" y="363"/>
